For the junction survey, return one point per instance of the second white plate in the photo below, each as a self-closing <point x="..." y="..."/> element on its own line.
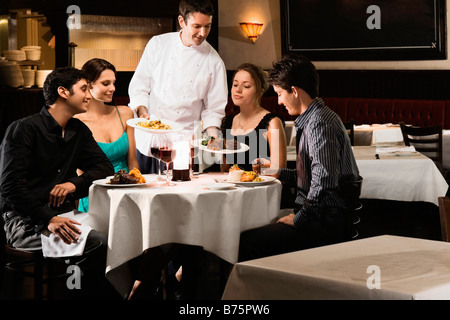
<point x="134" y="123"/>
<point x="266" y="180"/>
<point x="106" y="182"/>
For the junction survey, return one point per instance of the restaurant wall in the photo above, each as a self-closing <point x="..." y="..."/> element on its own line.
<point x="235" y="48"/>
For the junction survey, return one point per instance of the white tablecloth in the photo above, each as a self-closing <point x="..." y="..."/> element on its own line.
<point x="401" y="178"/>
<point x="404" y="268"/>
<point x="446" y="149"/>
<point x="189" y="213"/>
<point x="381" y="134"/>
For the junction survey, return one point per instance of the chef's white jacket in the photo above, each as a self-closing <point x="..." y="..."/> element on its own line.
<point x="187" y="85"/>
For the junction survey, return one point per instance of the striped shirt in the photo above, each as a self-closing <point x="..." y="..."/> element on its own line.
<point x="324" y="159"/>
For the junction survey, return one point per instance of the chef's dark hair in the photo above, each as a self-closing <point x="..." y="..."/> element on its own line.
<point x="188" y="7"/>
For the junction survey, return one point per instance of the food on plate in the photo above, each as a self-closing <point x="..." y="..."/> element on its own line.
<point x="133" y="177"/>
<point x="234" y="167"/>
<point x="235" y="173"/>
<point x="248" y="176"/>
<point x="154" y="125"/>
<point x="137" y="174"/>
<point x="221" y="144"/>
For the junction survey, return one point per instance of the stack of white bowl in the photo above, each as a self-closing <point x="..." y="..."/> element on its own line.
<point x="15" y="55"/>
<point x="32" y="53"/>
<point x="40" y="77"/>
<point x="29" y="78"/>
<point x="11" y="75"/>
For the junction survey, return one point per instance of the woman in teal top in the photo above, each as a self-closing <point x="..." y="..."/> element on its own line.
<point x="106" y="121"/>
<point x="117" y="153"/>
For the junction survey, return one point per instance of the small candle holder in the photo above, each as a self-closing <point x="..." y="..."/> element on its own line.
<point x="181" y="170"/>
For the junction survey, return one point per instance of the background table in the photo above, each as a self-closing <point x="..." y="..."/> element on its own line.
<point x="409" y="268"/>
<point x="401" y="178"/>
<point x="368" y="135"/>
<point x="138" y="218"/>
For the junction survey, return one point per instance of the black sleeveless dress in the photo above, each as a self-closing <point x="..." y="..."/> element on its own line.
<point x="255" y="139"/>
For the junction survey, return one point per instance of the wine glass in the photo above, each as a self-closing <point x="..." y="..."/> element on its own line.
<point x="193" y="154"/>
<point x="155" y="142"/>
<point x="167" y="153"/>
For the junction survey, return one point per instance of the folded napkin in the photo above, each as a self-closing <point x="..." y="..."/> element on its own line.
<point x="54" y="247"/>
<point x="362" y="126"/>
<point x="395" y="149"/>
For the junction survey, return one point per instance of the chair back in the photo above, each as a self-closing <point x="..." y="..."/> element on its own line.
<point x="350" y="127"/>
<point x="444" y="214"/>
<point x="426" y="140"/>
<point x="351" y="191"/>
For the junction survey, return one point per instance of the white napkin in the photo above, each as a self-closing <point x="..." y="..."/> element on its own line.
<point x="54" y="247"/>
<point x="395" y="149"/>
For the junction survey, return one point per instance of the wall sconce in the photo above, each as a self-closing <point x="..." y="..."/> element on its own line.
<point x="252" y="30"/>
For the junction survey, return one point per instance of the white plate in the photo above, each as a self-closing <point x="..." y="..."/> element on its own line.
<point x="267" y="179"/>
<point x="219" y="185"/>
<point x="134" y="123"/>
<point x="105" y="182"/>
<point x="243" y="148"/>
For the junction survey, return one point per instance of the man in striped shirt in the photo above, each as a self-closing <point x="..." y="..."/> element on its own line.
<point x="324" y="161"/>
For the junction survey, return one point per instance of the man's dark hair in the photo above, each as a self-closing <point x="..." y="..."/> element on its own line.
<point x="64" y="77"/>
<point x="188" y="7"/>
<point x="295" y="70"/>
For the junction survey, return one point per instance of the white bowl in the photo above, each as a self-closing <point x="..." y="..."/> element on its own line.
<point x="40" y="77"/>
<point x="29" y="77"/>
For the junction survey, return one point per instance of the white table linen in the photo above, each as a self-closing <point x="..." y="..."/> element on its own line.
<point x="399" y="177"/>
<point x="446" y="149"/>
<point x="189" y="213"/>
<point x="378" y="134"/>
<point x="408" y="268"/>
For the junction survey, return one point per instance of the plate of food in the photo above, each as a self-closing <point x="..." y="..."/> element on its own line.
<point x="220" y="145"/>
<point x="247" y="178"/>
<point x="121" y="179"/>
<point x="154" y="126"/>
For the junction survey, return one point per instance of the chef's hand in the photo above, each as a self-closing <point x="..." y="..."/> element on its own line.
<point x="213" y="132"/>
<point x="142" y="112"/>
<point x="64" y="228"/>
<point x="59" y="193"/>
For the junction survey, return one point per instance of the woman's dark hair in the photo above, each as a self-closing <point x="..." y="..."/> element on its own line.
<point x="258" y="75"/>
<point x="188" y="7"/>
<point x="295" y="70"/>
<point x="64" y="77"/>
<point x="94" y="67"/>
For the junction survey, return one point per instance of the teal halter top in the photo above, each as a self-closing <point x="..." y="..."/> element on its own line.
<point x="116" y="152"/>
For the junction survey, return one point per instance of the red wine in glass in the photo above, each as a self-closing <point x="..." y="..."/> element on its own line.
<point x="155" y="153"/>
<point x="167" y="155"/>
<point x="194" y="151"/>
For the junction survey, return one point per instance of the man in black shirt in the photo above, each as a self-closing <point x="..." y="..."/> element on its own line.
<point x="39" y="158"/>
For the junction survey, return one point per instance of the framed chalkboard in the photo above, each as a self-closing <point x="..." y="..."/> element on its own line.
<point x="345" y="30"/>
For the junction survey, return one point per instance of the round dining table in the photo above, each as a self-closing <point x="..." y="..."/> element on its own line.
<point x="205" y="211"/>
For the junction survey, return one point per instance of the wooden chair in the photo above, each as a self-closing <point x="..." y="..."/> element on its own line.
<point x="351" y="191"/>
<point x="426" y="140"/>
<point x="28" y="264"/>
<point x="350" y="126"/>
<point x="444" y="213"/>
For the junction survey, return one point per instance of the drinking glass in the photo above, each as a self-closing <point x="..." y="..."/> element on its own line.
<point x="193" y="155"/>
<point x="155" y="142"/>
<point x="167" y="153"/>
